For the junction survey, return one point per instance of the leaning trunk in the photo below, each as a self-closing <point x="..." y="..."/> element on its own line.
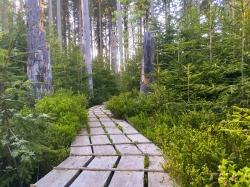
<point x="38" y="67"/>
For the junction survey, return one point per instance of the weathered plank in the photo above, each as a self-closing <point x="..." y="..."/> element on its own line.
<point x="56" y="178"/>
<point x="115" y="130"/>
<point x="104" y="149"/>
<point x="138" y="138"/>
<point x="109" y="124"/>
<point x="95" y="178"/>
<point x="94" y="124"/>
<point x="80" y="150"/>
<point x="159" y="180"/>
<point x="102" y="115"/>
<point x="156" y="162"/>
<point x="128" y="179"/>
<point x="98" y="130"/>
<point x="93" y="119"/>
<point x="119" y="139"/>
<point x="149" y="148"/>
<point x="81" y="140"/>
<point x="131" y="162"/>
<point x="74" y="161"/>
<point x="83" y="132"/>
<point x="101" y="139"/>
<point x="127" y="128"/>
<point x="105" y="119"/>
<point x="127" y="149"/>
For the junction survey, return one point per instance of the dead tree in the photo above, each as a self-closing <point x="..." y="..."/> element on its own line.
<point x="39" y="66"/>
<point x="147" y="61"/>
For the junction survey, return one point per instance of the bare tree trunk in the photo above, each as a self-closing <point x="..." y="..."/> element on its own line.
<point x="147" y="61"/>
<point x="59" y="22"/>
<point x="119" y="29"/>
<point x="113" y="49"/>
<point x="39" y="67"/>
<point x="100" y="46"/>
<point x="126" y="34"/>
<point x="50" y="12"/>
<point x="87" y="43"/>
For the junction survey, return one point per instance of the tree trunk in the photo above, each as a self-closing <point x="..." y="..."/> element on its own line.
<point x="38" y="67"/>
<point x="50" y="12"/>
<point x="100" y="41"/>
<point x="119" y="29"/>
<point x="59" y="22"/>
<point x="147" y="62"/>
<point x="87" y="44"/>
<point x="113" y="49"/>
<point x="126" y="33"/>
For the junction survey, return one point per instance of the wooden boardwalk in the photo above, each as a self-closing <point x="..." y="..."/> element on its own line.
<point x="111" y="153"/>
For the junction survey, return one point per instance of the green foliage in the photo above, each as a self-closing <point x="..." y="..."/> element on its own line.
<point x="105" y="82"/>
<point x="33" y="140"/>
<point x="68" y="68"/>
<point x="130" y="77"/>
<point x="194" y="138"/>
<point x="229" y="176"/>
<point x="68" y="115"/>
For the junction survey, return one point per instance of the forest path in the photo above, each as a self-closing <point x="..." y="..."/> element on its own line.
<point x="110" y="153"/>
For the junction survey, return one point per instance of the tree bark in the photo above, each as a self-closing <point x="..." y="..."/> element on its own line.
<point x="147" y="62"/>
<point x="38" y="67"/>
<point x="50" y="12"/>
<point x="119" y="29"/>
<point x="87" y="43"/>
<point x="59" y="22"/>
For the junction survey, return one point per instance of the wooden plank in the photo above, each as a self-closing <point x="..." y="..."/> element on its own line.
<point x="159" y="180"/>
<point x="149" y="148"/>
<point x="105" y="119"/>
<point x="93" y="119"/>
<point x="138" y="138"/>
<point x="56" y="178"/>
<point x="104" y="149"/>
<point x="131" y="162"/>
<point x="80" y="150"/>
<point x="156" y="162"/>
<point x="102" y="115"/>
<point x="83" y="132"/>
<point x="97" y="130"/>
<point x="127" y="149"/>
<point x="127" y="128"/>
<point x="101" y="139"/>
<point x="94" y="124"/>
<point x="109" y="124"/>
<point x="74" y="161"/>
<point x="111" y="130"/>
<point x="128" y="179"/>
<point x="81" y="140"/>
<point x="119" y="139"/>
<point x="95" y="178"/>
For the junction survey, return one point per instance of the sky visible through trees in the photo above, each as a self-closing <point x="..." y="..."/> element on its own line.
<point x="191" y="59"/>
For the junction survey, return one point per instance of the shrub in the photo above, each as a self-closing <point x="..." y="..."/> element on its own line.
<point x="68" y="115"/>
<point x="105" y="82"/>
<point x="194" y="139"/>
<point x="33" y="140"/>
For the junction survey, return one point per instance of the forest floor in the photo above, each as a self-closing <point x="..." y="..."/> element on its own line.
<point x="109" y="153"/>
